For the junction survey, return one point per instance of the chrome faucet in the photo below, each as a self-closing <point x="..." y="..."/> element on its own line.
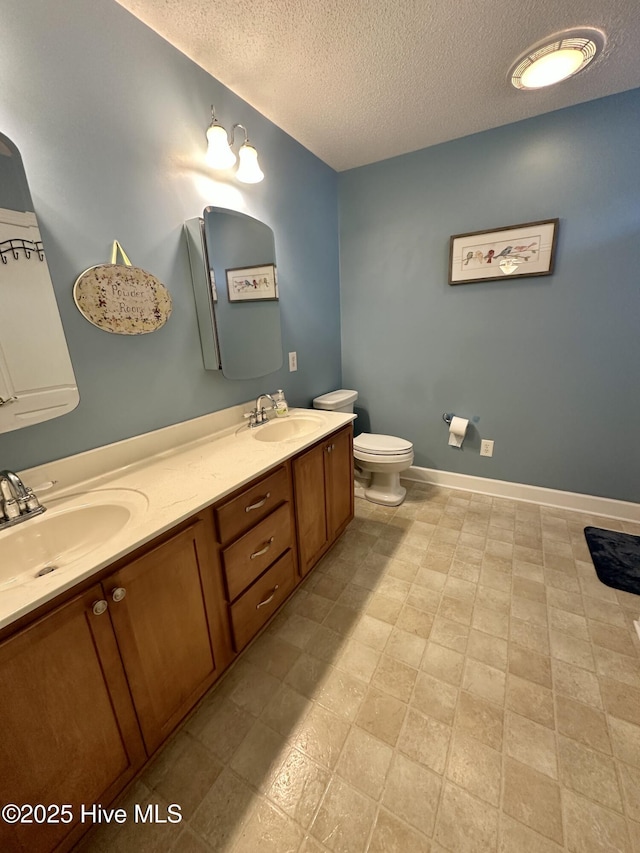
<point x="17" y="501"/>
<point x="258" y="416"/>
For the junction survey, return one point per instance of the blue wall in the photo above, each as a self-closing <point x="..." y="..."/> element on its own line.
<point x="110" y="121"/>
<point x="548" y="367"/>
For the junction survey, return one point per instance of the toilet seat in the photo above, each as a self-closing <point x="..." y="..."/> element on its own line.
<point x="373" y="444"/>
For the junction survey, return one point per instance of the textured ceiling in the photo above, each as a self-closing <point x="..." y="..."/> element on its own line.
<point x="356" y="82"/>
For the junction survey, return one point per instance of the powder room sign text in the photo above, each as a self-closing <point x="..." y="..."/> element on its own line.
<point x="121" y="298"/>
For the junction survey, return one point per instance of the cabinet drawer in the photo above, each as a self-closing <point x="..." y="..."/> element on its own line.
<point x="242" y="512"/>
<point x="260" y="601"/>
<point x="250" y="555"/>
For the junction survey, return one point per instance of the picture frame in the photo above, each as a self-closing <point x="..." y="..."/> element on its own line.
<point x="252" y="284"/>
<point x="514" y="251"/>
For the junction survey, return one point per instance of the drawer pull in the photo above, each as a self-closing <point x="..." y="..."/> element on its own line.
<point x="262" y="550"/>
<point x="259" y="503"/>
<point x="267" y="600"/>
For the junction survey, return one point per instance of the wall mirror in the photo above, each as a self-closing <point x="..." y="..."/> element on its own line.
<point x="234" y="274"/>
<point x="36" y="376"/>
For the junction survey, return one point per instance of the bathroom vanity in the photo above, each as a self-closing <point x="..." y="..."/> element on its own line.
<point x="95" y="677"/>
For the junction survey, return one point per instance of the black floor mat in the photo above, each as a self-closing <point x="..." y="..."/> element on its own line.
<point x="616" y="557"/>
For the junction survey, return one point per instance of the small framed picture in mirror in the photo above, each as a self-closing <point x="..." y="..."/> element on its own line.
<point x="252" y="284"/>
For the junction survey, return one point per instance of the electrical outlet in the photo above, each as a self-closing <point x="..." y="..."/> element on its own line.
<point x="293" y="361"/>
<point x="486" y="447"/>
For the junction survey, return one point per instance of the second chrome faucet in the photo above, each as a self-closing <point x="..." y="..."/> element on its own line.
<point x="258" y="416"/>
<point x="17" y="501"/>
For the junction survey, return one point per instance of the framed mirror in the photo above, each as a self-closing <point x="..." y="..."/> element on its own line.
<point x="235" y="282"/>
<point x="37" y="381"/>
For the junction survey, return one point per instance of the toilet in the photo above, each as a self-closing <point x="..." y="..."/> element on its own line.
<point x="379" y="459"/>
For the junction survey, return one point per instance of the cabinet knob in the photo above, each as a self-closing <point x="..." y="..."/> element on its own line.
<point x="118" y="593"/>
<point x="99" y="607"/>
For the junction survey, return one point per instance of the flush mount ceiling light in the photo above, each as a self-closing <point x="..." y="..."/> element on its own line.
<point x="556" y="58"/>
<point x="220" y="154"/>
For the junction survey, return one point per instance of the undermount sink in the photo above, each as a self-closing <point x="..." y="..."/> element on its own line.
<point x="72" y="527"/>
<point x="294" y="426"/>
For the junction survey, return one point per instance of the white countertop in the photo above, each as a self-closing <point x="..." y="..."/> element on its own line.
<point x="172" y="473"/>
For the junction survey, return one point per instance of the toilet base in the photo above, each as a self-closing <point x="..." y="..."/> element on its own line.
<point x="383" y="488"/>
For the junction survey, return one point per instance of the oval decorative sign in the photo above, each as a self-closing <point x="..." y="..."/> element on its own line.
<point x="121" y="298"/>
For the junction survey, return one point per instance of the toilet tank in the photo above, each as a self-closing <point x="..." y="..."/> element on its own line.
<point x="336" y="401"/>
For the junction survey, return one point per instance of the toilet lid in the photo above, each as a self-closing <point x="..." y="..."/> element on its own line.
<point x="381" y="444"/>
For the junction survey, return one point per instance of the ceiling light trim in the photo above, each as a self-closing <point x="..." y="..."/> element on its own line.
<point x="589" y="41"/>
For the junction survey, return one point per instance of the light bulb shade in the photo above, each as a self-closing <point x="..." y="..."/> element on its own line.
<point x="249" y="172"/>
<point x="559" y="57"/>
<point x="219" y="153"/>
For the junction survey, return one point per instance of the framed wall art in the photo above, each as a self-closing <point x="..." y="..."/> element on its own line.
<point x="514" y="251"/>
<point x="250" y="284"/>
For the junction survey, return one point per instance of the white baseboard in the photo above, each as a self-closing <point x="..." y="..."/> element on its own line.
<point x="622" y="510"/>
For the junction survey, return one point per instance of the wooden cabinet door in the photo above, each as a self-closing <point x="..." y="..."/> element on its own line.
<point x="310" y="501"/>
<point x="68" y="731"/>
<point x="166" y="629"/>
<point x="339" y="482"/>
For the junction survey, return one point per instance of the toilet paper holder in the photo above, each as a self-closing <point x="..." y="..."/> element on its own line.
<point x="447" y="418"/>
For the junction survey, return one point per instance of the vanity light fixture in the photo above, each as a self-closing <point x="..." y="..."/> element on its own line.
<point x="220" y="154"/>
<point x="556" y="58"/>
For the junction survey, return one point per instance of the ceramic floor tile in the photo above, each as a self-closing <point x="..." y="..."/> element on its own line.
<point x="451" y="678"/>
<point x="465" y="824"/>
<point x="452" y="635"/>
<point x="484" y="680"/>
<point x="625" y="740"/>
<point x="620" y="700"/>
<point x="475" y="767"/>
<point x="530" y="743"/>
<point x="582" y="723"/>
<point x="364" y="762"/>
<point x="592" y="828"/>
<point x="443" y="663"/>
<point x="344" y="820"/>
<point x="382" y="715"/>
<point x="415" y="621"/>
<point x="394" y="677"/>
<point x="223" y="812"/>
<point x="269" y="831"/>
<point x="533" y="799"/>
<point x="391" y="835"/>
<point x="425" y="740"/>
<point x="358" y="660"/>
<point x="530" y="700"/>
<point x="529" y="636"/>
<point x="589" y="773"/>
<point x="517" y="838"/>
<point x="412" y="793"/>
<point x="299" y="786"/>
<point x="435" y="698"/>
<point x="530" y="665"/>
<point x="481" y="719"/>
<point x="183" y="773"/>
<point x="322" y="735"/>
<point x="576" y="683"/>
<point x="405" y="647"/>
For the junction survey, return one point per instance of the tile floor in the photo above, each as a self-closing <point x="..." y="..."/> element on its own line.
<point x="451" y="677"/>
